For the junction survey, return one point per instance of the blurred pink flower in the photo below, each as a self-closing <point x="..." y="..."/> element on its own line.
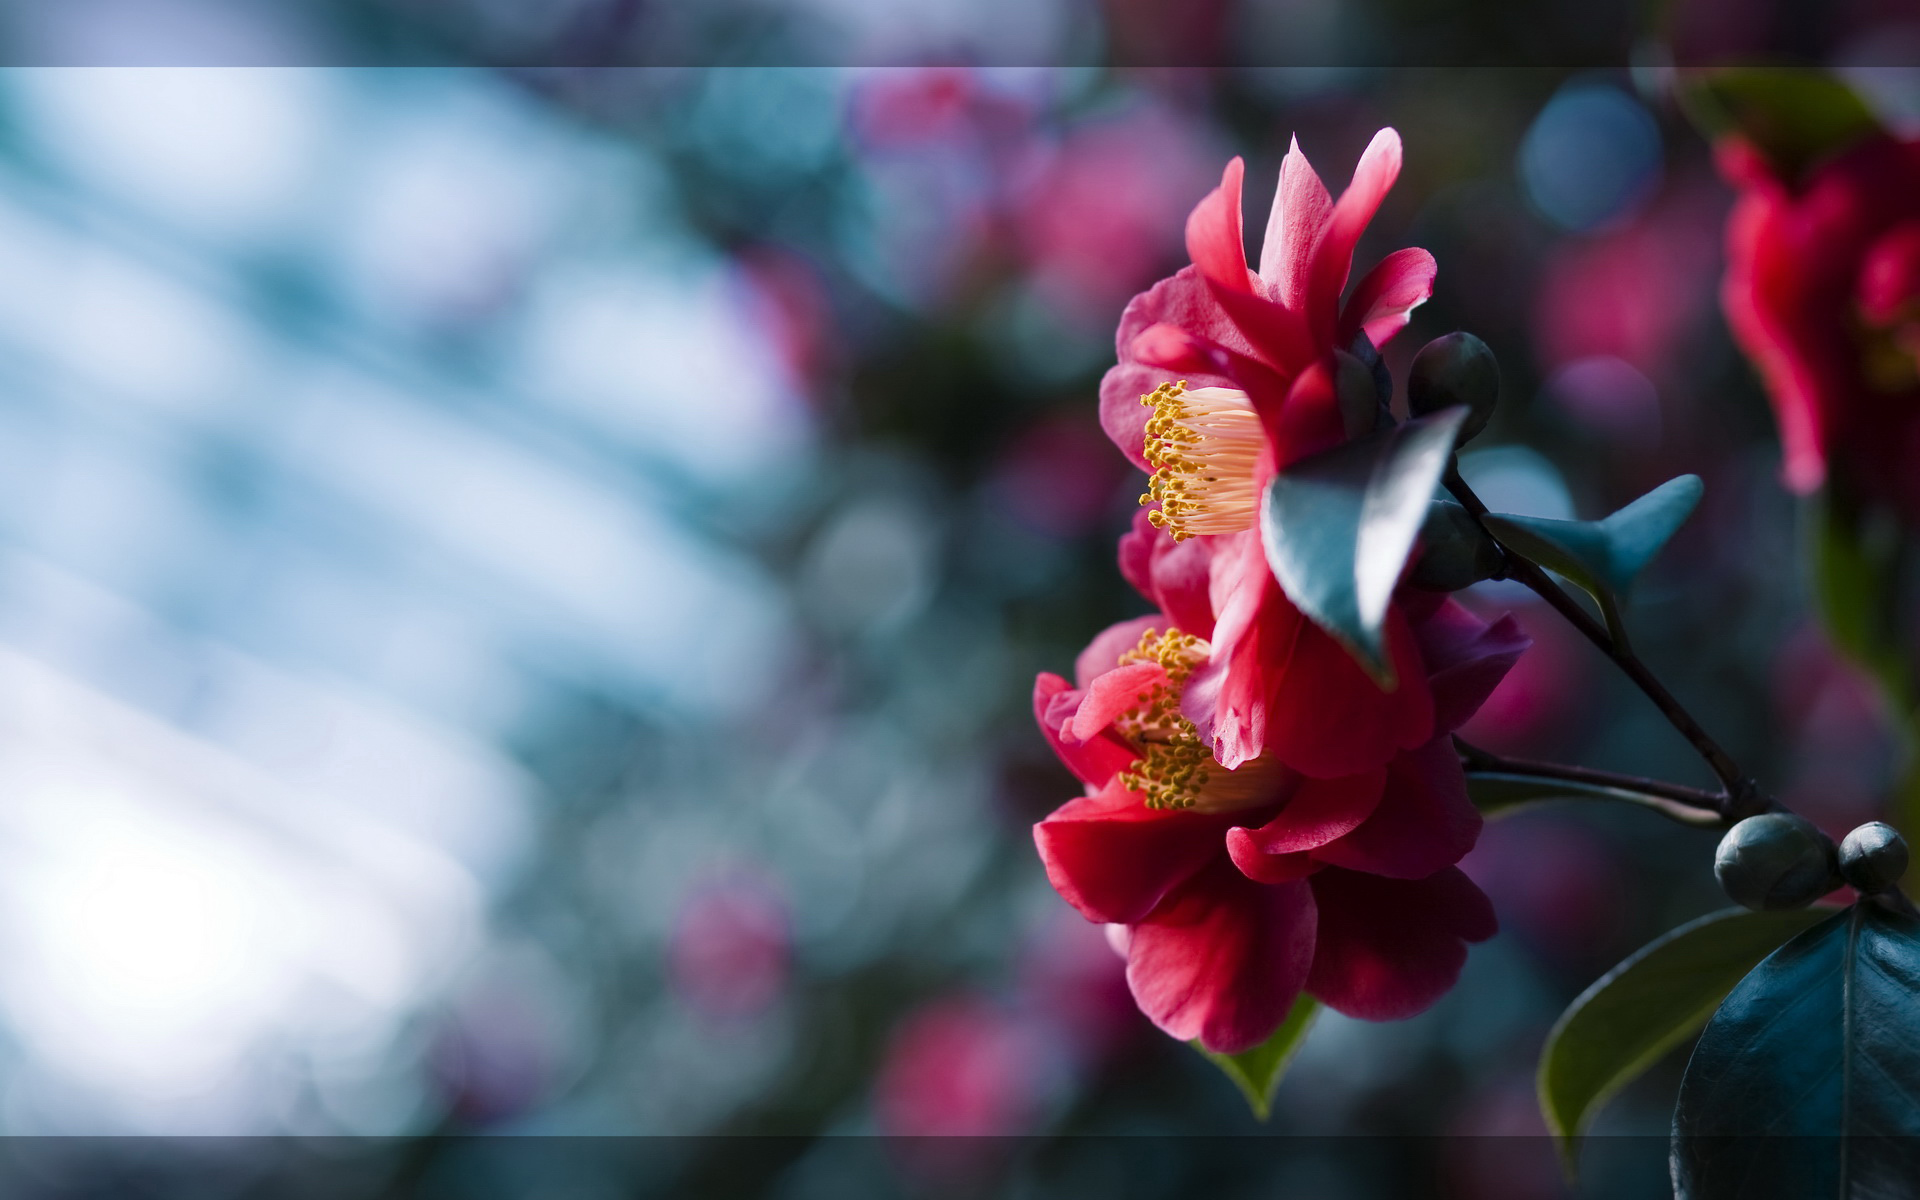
<point x="961" y="1067"/>
<point x="1074" y="985"/>
<point x="728" y="957"/>
<point x="1822" y="291"/>
<point x="788" y="301"/>
<point x="1098" y="214"/>
<point x="1634" y="294"/>
<point x="1059" y="477"/>
<point x="1555" y="883"/>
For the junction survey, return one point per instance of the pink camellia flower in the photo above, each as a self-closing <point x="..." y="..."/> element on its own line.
<point x="1240" y="887"/>
<point x="1225" y="377"/>
<point x="1823" y="292"/>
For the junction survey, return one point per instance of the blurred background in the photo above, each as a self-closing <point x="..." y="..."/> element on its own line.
<point x="520" y="583"/>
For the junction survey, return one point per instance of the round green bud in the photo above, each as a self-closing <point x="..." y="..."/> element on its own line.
<point x="1454" y="551"/>
<point x="1873" y="858"/>
<point x="1451" y="370"/>
<point x="1776" y="860"/>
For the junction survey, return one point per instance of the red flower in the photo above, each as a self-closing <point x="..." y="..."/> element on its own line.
<point x="1241" y="887"/>
<point x="1823" y="292"/>
<point x="1224" y="378"/>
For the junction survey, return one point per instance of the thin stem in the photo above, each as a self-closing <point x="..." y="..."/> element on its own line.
<point x="1688" y="805"/>
<point x="1739" y="796"/>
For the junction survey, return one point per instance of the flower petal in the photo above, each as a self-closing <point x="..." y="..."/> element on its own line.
<point x="1333" y="257"/>
<point x="1094" y="762"/>
<point x="1466" y="659"/>
<point x="1424" y="822"/>
<point x="1326" y="717"/>
<point x="1318" y="811"/>
<point x="1382" y="301"/>
<point x="1112" y="693"/>
<point x="1214" y="238"/>
<point x="1388" y="948"/>
<point x="1173" y="575"/>
<point x="1114" y="859"/>
<point x="1223" y="958"/>
<point x="1185" y="302"/>
<point x="1103" y="652"/>
<point x="1301" y="207"/>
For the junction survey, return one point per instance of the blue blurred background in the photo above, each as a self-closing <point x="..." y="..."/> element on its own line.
<point x="519" y="583"/>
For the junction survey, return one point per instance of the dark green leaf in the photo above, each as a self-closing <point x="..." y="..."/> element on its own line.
<point x="1258" y="1071"/>
<point x="1603" y="557"/>
<point x="1793" y="117"/>
<point x="1338" y="528"/>
<point x="1807" y="1081"/>
<point x="1647" y="1005"/>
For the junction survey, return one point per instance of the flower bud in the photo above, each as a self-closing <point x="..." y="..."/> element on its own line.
<point x="1873" y="858"/>
<point x="1454" y="551"/>
<point x="1353" y="388"/>
<point x="1455" y="369"/>
<point x="1776" y="860"/>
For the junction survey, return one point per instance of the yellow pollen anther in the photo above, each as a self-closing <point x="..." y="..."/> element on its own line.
<point x="1202" y="444"/>
<point x="1170" y="771"/>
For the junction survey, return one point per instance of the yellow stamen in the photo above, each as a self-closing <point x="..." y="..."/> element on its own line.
<point x="1202" y="444"/>
<point x="1175" y="769"/>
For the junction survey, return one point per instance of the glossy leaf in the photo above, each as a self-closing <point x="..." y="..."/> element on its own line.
<point x="1637" y="1012"/>
<point x="1603" y="557"/>
<point x="1258" y="1071"/>
<point x="1338" y="528"/>
<point x="1793" y="117"/>
<point x="1807" y="1081"/>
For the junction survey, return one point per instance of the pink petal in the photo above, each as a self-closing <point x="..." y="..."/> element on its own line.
<point x="1185" y="302"/>
<point x="1094" y="761"/>
<point x="1172" y="348"/>
<point x="1301" y="207"/>
<point x="1890" y="273"/>
<point x="1280" y="337"/>
<point x="1114" y="859"/>
<point x="1425" y="821"/>
<point x="1223" y="959"/>
<point x="1112" y="693"/>
<point x="1333" y="257"/>
<point x="1309" y="422"/>
<point x="1388" y="948"/>
<point x="1327" y="717"/>
<point x="1235" y="679"/>
<point x="1214" y="238"/>
<point x="1466" y="659"/>
<point x="1173" y="575"/>
<point x="1103" y="652"/>
<point x="1319" y="811"/>
<point x="1381" y="302"/>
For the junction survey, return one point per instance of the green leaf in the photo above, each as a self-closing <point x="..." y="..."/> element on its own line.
<point x="1338" y="528"/>
<point x="1499" y="793"/>
<point x="1793" y="117"/>
<point x="1646" y="1006"/>
<point x="1258" y="1071"/>
<point x="1603" y="557"/>
<point x="1807" y="1081"/>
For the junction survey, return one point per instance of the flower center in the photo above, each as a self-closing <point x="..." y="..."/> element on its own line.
<point x="1175" y="768"/>
<point x="1202" y="444"/>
